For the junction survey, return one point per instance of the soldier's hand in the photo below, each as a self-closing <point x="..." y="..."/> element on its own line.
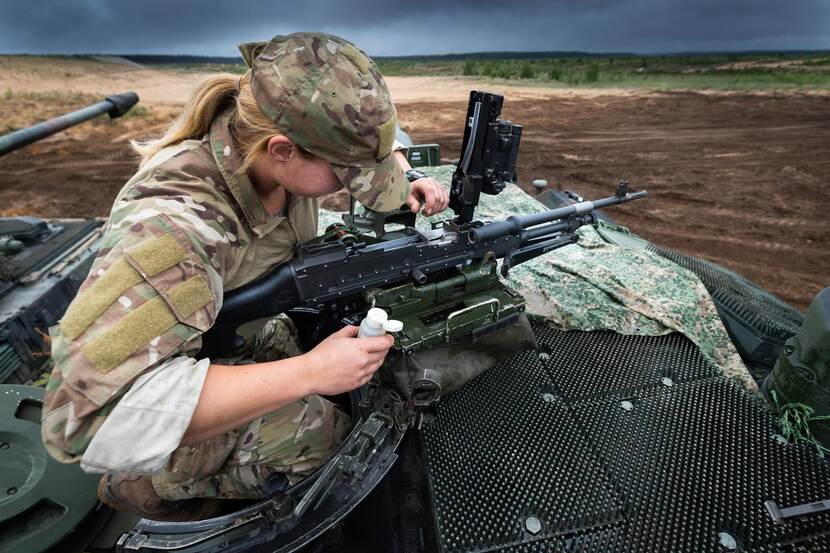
<point x="428" y="194"/>
<point x="343" y="362"/>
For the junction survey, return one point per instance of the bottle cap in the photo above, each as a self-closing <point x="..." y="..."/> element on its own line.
<point x="393" y="325"/>
<point x="376" y="317"/>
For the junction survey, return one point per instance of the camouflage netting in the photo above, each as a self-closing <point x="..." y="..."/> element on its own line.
<point x="594" y="285"/>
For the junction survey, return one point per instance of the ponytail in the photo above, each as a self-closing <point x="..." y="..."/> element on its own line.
<point x="250" y="129"/>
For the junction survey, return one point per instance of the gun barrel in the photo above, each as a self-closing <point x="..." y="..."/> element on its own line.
<point x="545" y="230"/>
<point x="516" y="223"/>
<point x="115" y="105"/>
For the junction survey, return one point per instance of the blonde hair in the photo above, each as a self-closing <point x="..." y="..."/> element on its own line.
<point x="250" y="128"/>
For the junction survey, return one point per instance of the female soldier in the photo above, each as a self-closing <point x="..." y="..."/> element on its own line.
<point x="222" y="197"/>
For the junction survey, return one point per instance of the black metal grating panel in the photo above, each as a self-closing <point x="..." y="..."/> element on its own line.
<point x="760" y="309"/>
<point x="819" y="544"/>
<point x="614" y="461"/>
<point x="493" y="463"/>
<point x="605" y="369"/>
<point x="699" y="459"/>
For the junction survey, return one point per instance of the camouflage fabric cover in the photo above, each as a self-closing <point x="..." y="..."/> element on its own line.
<point x="329" y="97"/>
<point x="182" y="230"/>
<point x="293" y="440"/>
<point x="594" y="285"/>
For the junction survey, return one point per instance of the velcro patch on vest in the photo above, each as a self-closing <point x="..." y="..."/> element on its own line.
<point x="386" y="138"/>
<point x="92" y="302"/>
<point x="190" y="296"/>
<point x="138" y="327"/>
<point x="157" y="254"/>
<point x="130" y="334"/>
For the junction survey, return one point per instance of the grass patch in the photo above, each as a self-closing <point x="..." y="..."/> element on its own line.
<point x="592" y="74"/>
<point x="526" y="71"/>
<point x="233" y="68"/>
<point x="136" y="111"/>
<point x="719" y="71"/>
<point x="794" y="421"/>
<point x="739" y="71"/>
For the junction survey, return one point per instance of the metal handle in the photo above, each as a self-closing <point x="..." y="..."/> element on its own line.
<point x="466" y="309"/>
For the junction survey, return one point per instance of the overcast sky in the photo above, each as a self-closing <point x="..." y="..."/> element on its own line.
<point x="214" y="27"/>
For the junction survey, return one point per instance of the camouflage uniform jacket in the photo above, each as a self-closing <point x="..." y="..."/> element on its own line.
<point x="182" y="230"/>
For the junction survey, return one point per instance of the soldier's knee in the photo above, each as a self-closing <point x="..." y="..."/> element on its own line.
<point x="277" y="339"/>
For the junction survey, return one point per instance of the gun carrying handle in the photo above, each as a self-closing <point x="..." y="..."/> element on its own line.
<point x="455" y="314"/>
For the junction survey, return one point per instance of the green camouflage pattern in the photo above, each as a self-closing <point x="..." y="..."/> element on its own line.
<point x="293" y="440"/>
<point x="594" y="285"/>
<point x="329" y="97"/>
<point x="193" y="193"/>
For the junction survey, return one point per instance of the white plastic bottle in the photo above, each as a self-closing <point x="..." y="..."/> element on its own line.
<point x="377" y="323"/>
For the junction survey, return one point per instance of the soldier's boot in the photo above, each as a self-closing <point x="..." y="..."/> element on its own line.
<point x="135" y="493"/>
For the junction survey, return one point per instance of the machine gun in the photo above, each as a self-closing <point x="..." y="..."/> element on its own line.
<point x="442" y="283"/>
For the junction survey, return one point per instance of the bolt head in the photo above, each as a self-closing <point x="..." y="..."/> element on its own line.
<point x="533" y="525"/>
<point x="727" y="541"/>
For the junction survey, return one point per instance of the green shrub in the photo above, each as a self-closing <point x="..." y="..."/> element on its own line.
<point x="592" y="75"/>
<point x="526" y="71"/>
<point x="469" y="68"/>
<point x="8" y="94"/>
<point x="555" y="74"/>
<point x="496" y="70"/>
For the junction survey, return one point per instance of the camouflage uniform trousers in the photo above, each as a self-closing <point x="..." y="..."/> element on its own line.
<point x="293" y="440"/>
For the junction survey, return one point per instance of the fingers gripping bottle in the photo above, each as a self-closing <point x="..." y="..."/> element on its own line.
<point x="378" y="323"/>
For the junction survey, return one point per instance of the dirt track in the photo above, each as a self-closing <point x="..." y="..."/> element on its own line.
<point x="741" y="179"/>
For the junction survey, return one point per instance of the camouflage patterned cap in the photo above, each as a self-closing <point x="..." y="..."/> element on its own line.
<point x="327" y="96"/>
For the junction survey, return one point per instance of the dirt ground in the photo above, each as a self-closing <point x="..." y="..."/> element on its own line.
<point x="740" y="179"/>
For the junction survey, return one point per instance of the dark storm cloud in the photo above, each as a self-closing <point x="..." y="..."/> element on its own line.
<point x="422" y="27"/>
